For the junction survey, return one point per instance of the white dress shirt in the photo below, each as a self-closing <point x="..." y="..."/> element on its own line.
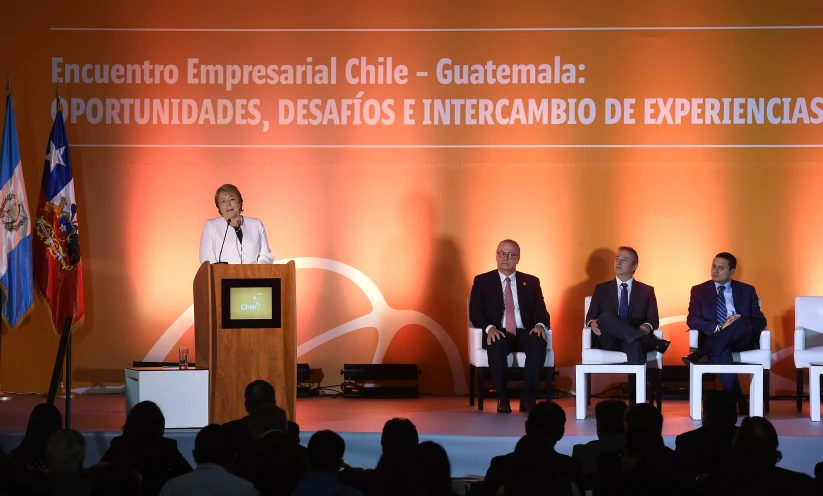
<point x="253" y="250"/>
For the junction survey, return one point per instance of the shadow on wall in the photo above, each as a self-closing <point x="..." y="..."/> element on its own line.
<point x="568" y="325"/>
<point x="423" y="271"/>
<point x="785" y="366"/>
<point x="99" y="377"/>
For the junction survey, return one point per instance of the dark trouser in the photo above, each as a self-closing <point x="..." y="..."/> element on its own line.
<point x="720" y="346"/>
<point x="532" y="345"/>
<point x="617" y="335"/>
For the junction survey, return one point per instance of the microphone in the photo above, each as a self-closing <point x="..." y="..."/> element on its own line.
<point x="228" y="223"/>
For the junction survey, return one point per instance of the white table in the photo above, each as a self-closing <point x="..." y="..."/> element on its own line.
<point x="815" y="369"/>
<point x="182" y="395"/>
<point x="696" y="372"/>
<point x="606" y="368"/>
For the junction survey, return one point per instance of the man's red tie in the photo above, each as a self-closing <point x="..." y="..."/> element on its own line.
<point x="511" y="325"/>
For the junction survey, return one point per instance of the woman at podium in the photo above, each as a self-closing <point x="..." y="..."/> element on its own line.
<point x="233" y="238"/>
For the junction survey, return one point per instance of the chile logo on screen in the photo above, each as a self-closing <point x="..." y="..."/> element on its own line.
<point x="255" y="305"/>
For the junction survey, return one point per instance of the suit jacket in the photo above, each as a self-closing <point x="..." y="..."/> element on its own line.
<point x="241" y="435"/>
<point x="656" y="472"/>
<point x="157" y="461"/>
<point x="217" y="236"/>
<point x="60" y="484"/>
<point x="503" y="469"/>
<point x="705" y="449"/>
<point x="486" y="306"/>
<point x="703" y="308"/>
<point x="208" y="479"/>
<point x="277" y="464"/>
<point x="588" y="454"/>
<point x="758" y="482"/>
<point x="244" y="463"/>
<point x="642" y="303"/>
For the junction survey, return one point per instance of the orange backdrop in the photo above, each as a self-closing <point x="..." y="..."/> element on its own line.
<point x="390" y="220"/>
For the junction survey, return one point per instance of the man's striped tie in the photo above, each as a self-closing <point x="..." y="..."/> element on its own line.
<point x="722" y="311"/>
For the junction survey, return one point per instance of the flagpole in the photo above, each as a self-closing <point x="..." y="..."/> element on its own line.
<point x="3" y="395"/>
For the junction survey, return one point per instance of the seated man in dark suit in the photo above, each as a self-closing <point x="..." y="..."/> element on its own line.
<point x="546" y="419"/>
<point x="623" y="312"/>
<point x="511" y="301"/>
<point x="258" y="393"/>
<point x="727" y="314"/>
<point x="709" y="448"/>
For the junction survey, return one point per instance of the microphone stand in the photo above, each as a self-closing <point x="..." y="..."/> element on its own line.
<point x="228" y="223"/>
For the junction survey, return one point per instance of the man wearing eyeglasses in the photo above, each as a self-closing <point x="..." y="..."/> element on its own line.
<point x="623" y="312"/>
<point x="509" y="307"/>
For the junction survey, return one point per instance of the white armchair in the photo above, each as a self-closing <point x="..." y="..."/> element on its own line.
<point x="762" y="355"/>
<point x="808" y="337"/>
<point x="479" y="363"/>
<point x="654" y="360"/>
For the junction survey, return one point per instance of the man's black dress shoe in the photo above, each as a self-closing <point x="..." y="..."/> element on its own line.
<point x="504" y="407"/>
<point x="690" y="358"/>
<point x="651" y="343"/>
<point x="526" y="404"/>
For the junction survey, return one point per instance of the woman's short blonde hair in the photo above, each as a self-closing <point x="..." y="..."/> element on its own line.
<point x="227" y="189"/>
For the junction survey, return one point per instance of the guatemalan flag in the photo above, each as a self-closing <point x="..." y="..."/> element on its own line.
<point x="57" y="268"/>
<point x="15" y="235"/>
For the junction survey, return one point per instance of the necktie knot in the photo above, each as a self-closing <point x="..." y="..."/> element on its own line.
<point x="721" y="290"/>
<point x="624" y="286"/>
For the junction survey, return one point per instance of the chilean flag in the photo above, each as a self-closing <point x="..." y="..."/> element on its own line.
<point x="15" y="232"/>
<point x="58" y="271"/>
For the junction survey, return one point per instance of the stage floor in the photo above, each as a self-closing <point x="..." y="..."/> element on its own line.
<point x="470" y="437"/>
<point x="450" y="415"/>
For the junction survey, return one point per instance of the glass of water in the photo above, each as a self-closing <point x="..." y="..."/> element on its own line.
<point x="183" y="358"/>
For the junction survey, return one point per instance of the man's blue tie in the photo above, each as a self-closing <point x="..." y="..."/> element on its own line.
<point x="623" y="309"/>
<point x="722" y="311"/>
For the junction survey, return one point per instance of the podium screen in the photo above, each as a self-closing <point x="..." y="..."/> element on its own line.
<point x="251" y="303"/>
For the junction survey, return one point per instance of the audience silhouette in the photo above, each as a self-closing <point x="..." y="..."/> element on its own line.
<point x="260" y="454"/>
<point x="546" y="420"/>
<point x="44" y="420"/>
<point x="142" y="447"/>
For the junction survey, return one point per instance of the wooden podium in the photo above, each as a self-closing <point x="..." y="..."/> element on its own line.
<point x="237" y="356"/>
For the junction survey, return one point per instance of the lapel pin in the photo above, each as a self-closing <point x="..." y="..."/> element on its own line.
<point x="524" y="283"/>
